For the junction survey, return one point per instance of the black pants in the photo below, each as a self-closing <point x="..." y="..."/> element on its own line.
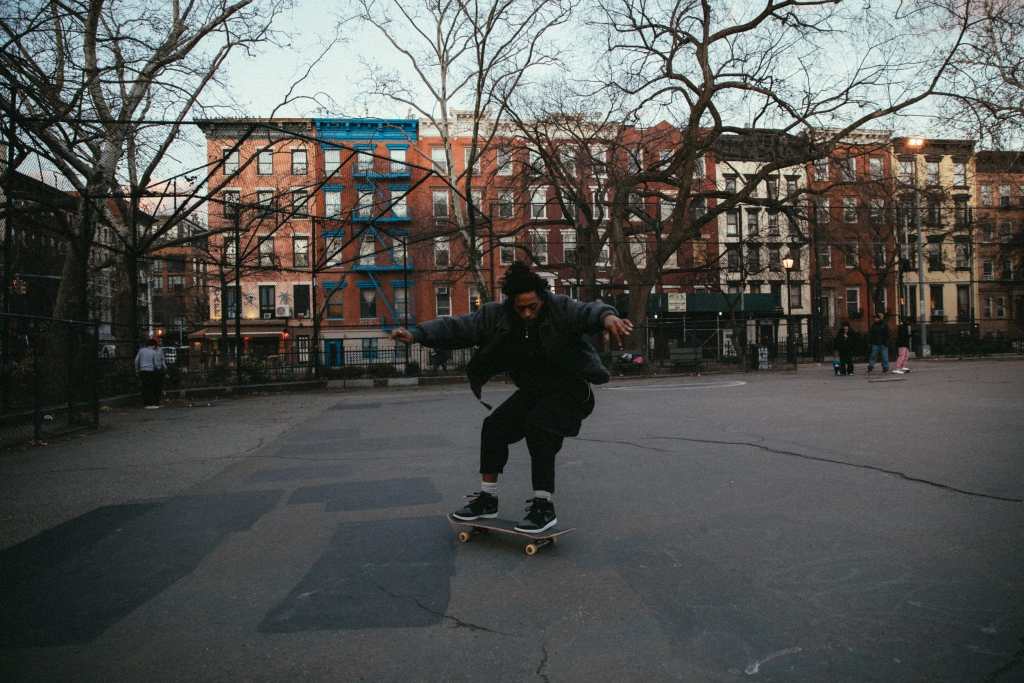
<point x="152" y="385"/>
<point x="846" y="364"/>
<point x="544" y="420"/>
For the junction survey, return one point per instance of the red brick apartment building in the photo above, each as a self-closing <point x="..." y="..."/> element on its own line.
<point x="999" y="243"/>
<point x="851" y="203"/>
<point x="359" y="225"/>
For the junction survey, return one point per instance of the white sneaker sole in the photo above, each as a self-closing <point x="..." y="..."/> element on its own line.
<point x="470" y="519"/>
<point x="540" y="530"/>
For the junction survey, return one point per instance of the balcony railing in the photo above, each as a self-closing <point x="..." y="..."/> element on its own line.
<point x="381" y="168"/>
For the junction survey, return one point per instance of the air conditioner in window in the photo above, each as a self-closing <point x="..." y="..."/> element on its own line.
<point x="268" y="316"/>
<point x="284" y="311"/>
<point x="938" y="313"/>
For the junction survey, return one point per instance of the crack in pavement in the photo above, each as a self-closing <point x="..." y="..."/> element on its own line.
<point x="543" y="663"/>
<point x="831" y="461"/>
<point x="459" y="623"/>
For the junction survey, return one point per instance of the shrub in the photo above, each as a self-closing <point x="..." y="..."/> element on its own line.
<point x="382" y="370"/>
<point x="412" y="369"/>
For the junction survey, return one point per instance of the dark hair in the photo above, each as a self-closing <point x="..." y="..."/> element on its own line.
<point x="153" y="342"/>
<point x="519" y="279"/>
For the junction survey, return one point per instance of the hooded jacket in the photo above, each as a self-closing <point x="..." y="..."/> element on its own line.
<point x="564" y="327"/>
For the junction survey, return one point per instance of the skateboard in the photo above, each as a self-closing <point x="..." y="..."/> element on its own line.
<point x="467" y="530"/>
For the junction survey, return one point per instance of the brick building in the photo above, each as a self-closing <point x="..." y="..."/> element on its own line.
<point x="999" y="243"/>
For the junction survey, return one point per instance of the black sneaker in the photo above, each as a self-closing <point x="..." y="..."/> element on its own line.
<point x="481" y="505"/>
<point x="540" y="516"/>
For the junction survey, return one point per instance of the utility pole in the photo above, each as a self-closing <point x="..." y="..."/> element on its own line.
<point x="238" y="295"/>
<point x="923" y="327"/>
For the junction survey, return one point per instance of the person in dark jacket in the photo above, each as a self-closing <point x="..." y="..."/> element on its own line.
<point x="843" y="346"/>
<point x="541" y="340"/>
<point x="878" y="337"/>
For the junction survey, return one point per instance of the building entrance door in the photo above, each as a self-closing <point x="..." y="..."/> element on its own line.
<point x="334" y="353"/>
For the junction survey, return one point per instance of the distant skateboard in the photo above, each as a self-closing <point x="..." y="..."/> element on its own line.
<point x="467" y="530"/>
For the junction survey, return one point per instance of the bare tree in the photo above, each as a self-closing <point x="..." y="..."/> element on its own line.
<point x="104" y="89"/>
<point x="463" y="57"/>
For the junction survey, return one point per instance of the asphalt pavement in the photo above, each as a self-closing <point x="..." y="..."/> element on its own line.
<point x="745" y="527"/>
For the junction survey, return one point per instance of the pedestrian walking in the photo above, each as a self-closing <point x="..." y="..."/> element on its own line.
<point x="541" y="340"/>
<point x="843" y="348"/>
<point x="150" y="364"/>
<point x="878" y="337"/>
<point x="904" y="336"/>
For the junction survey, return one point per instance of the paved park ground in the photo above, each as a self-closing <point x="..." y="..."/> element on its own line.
<point x="748" y="527"/>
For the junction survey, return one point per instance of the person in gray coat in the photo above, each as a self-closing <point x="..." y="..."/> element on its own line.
<point x="541" y="340"/>
<point x="150" y="364"/>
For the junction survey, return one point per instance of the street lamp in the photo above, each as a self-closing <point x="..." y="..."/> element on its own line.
<point x="916" y="144"/>
<point x="787" y="265"/>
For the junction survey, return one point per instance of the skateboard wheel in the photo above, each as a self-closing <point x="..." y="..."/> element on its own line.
<point x="530" y="549"/>
<point x="464" y="537"/>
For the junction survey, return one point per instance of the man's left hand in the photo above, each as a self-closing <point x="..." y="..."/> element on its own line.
<point x="618" y="328"/>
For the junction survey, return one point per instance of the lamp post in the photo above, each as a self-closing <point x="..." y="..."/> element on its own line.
<point x="787" y="265"/>
<point x="916" y="144"/>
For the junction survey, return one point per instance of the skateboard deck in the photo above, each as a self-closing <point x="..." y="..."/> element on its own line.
<point x="467" y="530"/>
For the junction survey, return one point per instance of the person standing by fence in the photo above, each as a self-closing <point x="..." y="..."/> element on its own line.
<point x="149" y="363"/>
<point x="878" y="336"/>
<point x="844" y="349"/>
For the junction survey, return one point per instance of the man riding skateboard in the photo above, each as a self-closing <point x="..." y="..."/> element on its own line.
<point x="540" y="339"/>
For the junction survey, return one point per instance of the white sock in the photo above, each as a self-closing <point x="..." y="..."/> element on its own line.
<point x="546" y="495"/>
<point x="490" y="487"/>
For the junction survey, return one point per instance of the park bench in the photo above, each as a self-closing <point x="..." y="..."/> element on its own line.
<point x="687" y="357"/>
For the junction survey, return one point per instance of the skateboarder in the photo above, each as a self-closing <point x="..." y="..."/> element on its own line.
<point x="540" y="339"/>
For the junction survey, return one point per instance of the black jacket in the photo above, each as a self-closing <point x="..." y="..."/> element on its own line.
<point x="564" y="328"/>
<point x="878" y="335"/>
<point x="844" y="345"/>
<point x="904" y="336"/>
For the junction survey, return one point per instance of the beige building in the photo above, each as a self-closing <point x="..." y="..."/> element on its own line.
<point x="938" y="177"/>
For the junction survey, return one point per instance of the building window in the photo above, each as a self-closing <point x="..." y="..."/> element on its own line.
<point x="852" y="302"/>
<point x="175" y="283"/>
<point x="265" y="200"/>
<point x="849" y="209"/>
<point x="877" y="211"/>
<point x="503" y="161"/>
<point x="267" y="300"/>
<point x="506" y="207"/>
<point x="796" y="296"/>
<point x="332" y="161"/>
<point x="401" y="302"/>
<point x="299" y="165"/>
<point x="367" y="248"/>
<point x="986" y="195"/>
<point x="638" y="250"/>
<point x="232" y="199"/>
<point x="229" y="252"/>
<point x="753" y="258"/>
<point x="467" y="153"/>
<point x="336" y="304"/>
<point x="1000" y="306"/>
<point x="364" y="205"/>
<point x="442" y="301"/>
<point x="665" y="209"/>
<point x="507" y="250"/>
<point x="1004" y="196"/>
<point x="774" y="259"/>
<point x="300" y="301"/>
<point x="848" y="168"/>
<point x="440" y="203"/>
<point x="265" y="162"/>
<point x="959" y="173"/>
<point x="732" y="258"/>
<point x="963" y="255"/>
<point x="399" y="252"/>
<point x="908" y="171"/>
<point x="369" y="346"/>
<point x="539" y="246"/>
<point x="231" y="299"/>
<point x="732" y="224"/>
<point x="442" y="252"/>
<point x="851" y="255"/>
<point x="267" y="252"/>
<point x="400" y="203"/>
<point x="934" y="253"/>
<point x="932" y="171"/>
<point x="302" y="348"/>
<point x="825" y="256"/>
<point x="821" y="169"/>
<point x="730" y="184"/>
<point x="538" y="203"/>
<point x="936" y="294"/>
<point x="230" y="162"/>
<point x="987" y="269"/>
<point x="823" y="211"/>
<point x="299" y="200"/>
<point x="536" y="162"/>
<point x="332" y="203"/>
<point x="364" y="160"/>
<point x="367" y="304"/>
<point x="332" y="249"/>
<point x="439" y="160"/>
<point x="300" y="251"/>
<point x="875" y="168"/>
<point x="569" y="247"/>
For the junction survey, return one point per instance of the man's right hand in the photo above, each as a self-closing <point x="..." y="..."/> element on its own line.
<point x="403" y="335"/>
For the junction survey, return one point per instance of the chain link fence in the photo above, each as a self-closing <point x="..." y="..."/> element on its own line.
<point x="48" y="377"/>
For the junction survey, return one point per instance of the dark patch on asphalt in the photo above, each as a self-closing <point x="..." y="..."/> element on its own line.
<point x="382" y="445"/>
<point x="355" y="406"/>
<point x="70" y="583"/>
<point x="327" y="470"/>
<point x="319" y="436"/>
<point x="386" y="574"/>
<point x="369" y="495"/>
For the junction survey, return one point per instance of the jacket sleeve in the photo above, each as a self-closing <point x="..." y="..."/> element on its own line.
<point x="138" y="360"/>
<point x="452" y="332"/>
<point x="588" y="318"/>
